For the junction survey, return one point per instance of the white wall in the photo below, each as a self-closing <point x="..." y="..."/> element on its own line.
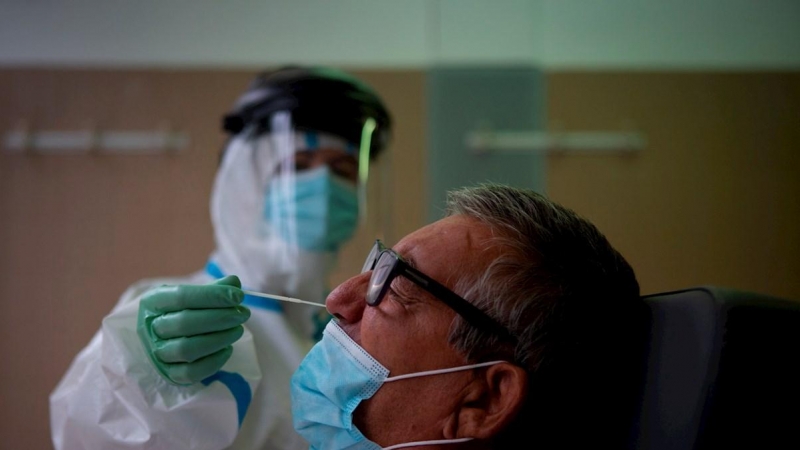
<point x="402" y="33"/>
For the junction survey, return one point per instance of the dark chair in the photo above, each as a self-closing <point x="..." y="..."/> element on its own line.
<point x="722" y="371"/>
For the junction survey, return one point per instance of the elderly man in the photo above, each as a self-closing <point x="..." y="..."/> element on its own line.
<point x="510" y="321"/>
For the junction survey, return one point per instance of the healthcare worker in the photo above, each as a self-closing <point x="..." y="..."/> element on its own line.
<point x="165" y="374"/>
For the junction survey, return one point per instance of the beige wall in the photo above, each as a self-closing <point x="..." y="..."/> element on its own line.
<point x="715" y="196"/>
<point x="711" y="200"/>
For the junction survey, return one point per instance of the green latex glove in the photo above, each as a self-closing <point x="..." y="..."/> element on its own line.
<point x="188" y="330"/>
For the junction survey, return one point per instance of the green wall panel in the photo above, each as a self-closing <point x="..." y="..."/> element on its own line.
<point x="461" y="100"/>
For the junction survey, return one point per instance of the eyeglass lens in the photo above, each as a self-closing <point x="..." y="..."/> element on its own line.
<point x="380" y="275"/>
<point x="369" y="263"/>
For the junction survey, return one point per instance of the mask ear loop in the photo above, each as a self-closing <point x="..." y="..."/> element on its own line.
<point x="363" y="167"/>
<point x="436" y="372"/>
<point x="421" y="443"/>
<point x="439" y="371"/>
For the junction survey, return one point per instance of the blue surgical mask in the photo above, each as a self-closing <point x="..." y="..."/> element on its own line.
<point x="335" y="376"/>
<point x="319" y="212"/>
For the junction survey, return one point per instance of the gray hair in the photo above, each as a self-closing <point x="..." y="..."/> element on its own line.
<point x="558" y="286"/>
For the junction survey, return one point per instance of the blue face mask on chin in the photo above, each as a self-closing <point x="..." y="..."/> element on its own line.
<point x="335" y="376"/>
<point x="319" y="214"/>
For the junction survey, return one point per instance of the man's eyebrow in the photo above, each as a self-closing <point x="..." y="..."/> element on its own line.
<point x="408" y="259"/>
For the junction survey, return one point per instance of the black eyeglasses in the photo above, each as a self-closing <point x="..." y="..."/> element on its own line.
<point x="386" y="264"/>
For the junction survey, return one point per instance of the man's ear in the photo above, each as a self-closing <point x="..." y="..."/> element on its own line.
<point x="490" y="403"/>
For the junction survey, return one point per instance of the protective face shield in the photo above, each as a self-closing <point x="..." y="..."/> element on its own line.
<point x="282" y="205"/>
<point x="291" y="188"/>
<point x="311" y="199"/>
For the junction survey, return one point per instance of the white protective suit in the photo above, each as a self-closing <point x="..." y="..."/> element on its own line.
<point x="112" y="397"/>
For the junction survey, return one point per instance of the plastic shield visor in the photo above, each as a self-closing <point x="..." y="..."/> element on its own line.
<point x="286" y="199"/>
<point x="312" y="196"/>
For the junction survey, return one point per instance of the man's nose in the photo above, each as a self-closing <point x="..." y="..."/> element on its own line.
<point x="347" y="301"/>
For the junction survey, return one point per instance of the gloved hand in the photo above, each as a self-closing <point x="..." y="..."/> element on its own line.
<point x="188" y="330"/>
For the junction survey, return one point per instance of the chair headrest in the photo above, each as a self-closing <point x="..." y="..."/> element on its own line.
<point x="721" y="369"/>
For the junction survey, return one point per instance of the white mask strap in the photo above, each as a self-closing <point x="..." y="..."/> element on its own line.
<point x="420" y="443"/>
<point x="435" y="372"/>
<point x="438" y="371"/>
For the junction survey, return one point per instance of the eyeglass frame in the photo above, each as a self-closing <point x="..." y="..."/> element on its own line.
<point x="471" y="313"/>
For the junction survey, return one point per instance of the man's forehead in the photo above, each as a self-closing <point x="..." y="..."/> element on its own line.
<point x="454" y="240"/>
<point x="456" y="227"/>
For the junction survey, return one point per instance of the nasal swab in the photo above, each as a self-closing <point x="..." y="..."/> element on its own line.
<point x="283" y="299"/>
